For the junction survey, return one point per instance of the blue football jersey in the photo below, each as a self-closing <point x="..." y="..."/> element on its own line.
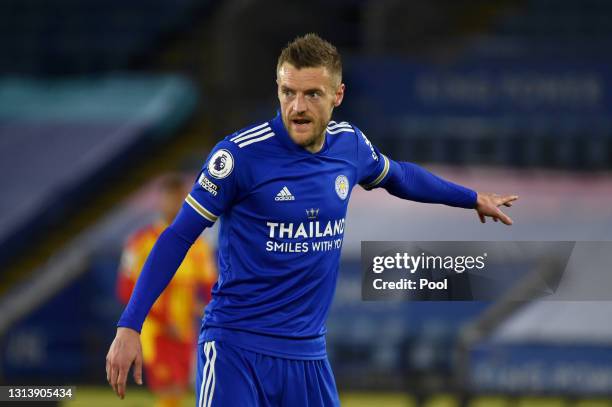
<point x="282" y="216"/>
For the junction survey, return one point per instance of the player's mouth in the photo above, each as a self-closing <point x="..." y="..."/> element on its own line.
<point x="301" y="123"/>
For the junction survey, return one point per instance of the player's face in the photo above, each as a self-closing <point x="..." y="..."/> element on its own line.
<point x="307" y="98"/>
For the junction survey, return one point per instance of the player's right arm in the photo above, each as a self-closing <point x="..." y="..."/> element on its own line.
<point x="211" y="194"/>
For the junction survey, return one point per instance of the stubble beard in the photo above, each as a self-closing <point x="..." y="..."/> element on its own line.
<point x="316" y="138"/>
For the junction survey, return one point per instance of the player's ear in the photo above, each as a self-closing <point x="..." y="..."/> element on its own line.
<point x="339" y="96"/>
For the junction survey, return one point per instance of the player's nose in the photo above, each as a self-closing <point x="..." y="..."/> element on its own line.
<point x="299" y="104"/>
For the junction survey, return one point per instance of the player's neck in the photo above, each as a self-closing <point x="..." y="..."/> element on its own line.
<point x="317" y="145"/>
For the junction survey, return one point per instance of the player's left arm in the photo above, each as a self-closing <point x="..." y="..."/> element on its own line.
<point x="410" y="181"/>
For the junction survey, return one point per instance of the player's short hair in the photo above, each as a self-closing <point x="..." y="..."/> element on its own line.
<point x="311" y="51"/>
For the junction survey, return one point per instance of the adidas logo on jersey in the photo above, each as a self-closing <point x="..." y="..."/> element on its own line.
<point x="284" y="195"/>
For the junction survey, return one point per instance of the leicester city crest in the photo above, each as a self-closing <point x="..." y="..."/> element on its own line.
<point x="221" y="164"/>
<point x="342" y="186"/>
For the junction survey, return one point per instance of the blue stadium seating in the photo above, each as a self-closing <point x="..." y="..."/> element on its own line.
<point x="60" y="138"/>
<point x="71" y="36"/>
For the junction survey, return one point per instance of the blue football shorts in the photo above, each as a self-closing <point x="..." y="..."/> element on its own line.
<point x="229" y="376"/>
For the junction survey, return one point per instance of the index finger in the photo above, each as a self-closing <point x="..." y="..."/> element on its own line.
<point x="508" y="199"/>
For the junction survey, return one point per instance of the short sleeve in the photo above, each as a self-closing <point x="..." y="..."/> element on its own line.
<point x="216" y="186"/>
<point x="372" y="165"/>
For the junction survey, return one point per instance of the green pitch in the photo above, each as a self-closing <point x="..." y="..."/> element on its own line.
<point x="139" y="397"/>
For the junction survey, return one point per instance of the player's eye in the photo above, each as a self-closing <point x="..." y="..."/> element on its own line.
<point x="287" y="92"/>
<point x="314" y="94"/>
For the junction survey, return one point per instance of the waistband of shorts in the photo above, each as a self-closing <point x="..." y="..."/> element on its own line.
<point x="287" y="348"/>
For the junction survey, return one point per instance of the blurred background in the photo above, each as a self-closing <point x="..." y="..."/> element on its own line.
<point x="99" y="99"/>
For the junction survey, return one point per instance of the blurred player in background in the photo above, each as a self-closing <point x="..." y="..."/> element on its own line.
<point x="169" y="332"/>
